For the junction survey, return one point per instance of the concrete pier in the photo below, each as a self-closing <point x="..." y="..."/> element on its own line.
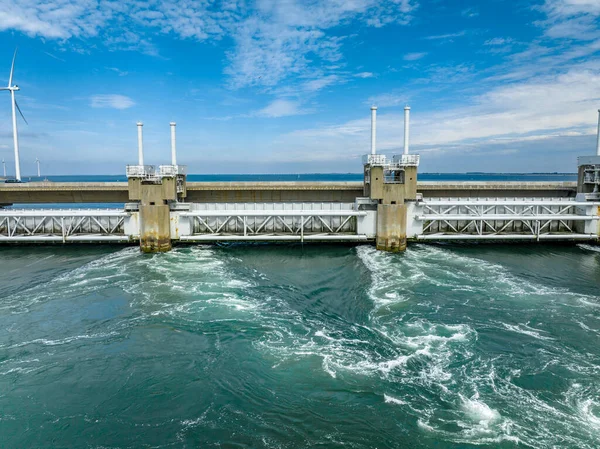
<point x="155" y="191"/>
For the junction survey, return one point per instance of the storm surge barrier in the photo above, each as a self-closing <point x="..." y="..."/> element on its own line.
<point x="389" y="208"/>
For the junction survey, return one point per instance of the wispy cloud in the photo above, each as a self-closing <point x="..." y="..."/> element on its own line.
<point x="414" y="56"/>
<point x="281" y="108"/>
<point x="541" y="108"/>
<point x="113" y="101"/>
<point x="574" y="19"/>
<point x="469" y="12"/>
<point x="117" y="71"/>
<point x="54" y="56"/>
<point x="447" y="36"/>
<point x="498" y="41"/>
<point x="364" y="75"/>
<point x="272" y="39"/>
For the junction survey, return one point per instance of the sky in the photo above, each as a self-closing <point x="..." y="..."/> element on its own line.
<point x="286" y="86"/>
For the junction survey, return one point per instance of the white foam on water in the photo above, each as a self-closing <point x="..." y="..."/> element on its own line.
<point x="526" y="330"/>
<point x="478" y="411"/>
<point x="392" y="400"/>
<point x="62" y="341"/>
<point x="587" y="247"/>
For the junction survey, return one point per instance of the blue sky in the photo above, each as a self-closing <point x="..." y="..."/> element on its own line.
<point x="285" y="86"/>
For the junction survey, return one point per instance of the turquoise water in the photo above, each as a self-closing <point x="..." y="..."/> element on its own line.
<point x="288" y="346"/>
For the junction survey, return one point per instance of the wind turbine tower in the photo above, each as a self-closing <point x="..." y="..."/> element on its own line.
<point x="37" y="162"/>
<point x="12" y="89"/>
<point x="4" y="167"/>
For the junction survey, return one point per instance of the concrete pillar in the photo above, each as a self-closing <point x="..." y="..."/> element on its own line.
<point x="391" y="227"/>
<point x="154" y="212"/>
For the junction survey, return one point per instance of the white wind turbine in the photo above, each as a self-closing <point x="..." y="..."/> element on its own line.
<point x="15" y="106"/>
<point x="37" y="162"/>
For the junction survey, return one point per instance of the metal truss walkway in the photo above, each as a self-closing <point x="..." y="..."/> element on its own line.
<point x="508" y="219"/>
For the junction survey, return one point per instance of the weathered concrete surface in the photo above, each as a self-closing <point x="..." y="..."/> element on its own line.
<point x="116" y="192"/>
<point x="259" y="192"/>
<point x="64" y="192"/>
<point x="155" y="219"/>
<point x="391" y="227"/>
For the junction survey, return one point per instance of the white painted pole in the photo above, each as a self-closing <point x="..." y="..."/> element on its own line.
<point x="37" y="161"/>
<point x="4" y="167"/>
<point x="173" y="149"/>
<point x="140" y="144"/>
<point x="598" y="136"/>
<point x="373" y="129"/>
<point x="406" y="127"/>
<point x="15" y="137"/>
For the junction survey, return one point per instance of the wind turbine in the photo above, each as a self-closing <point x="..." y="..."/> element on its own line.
<point x="15" y="106"/>
<point x="37" y="161"/>
<point x="4" y="167"/>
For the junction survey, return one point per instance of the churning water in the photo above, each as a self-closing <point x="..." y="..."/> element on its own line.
<point x="289" y="346"/>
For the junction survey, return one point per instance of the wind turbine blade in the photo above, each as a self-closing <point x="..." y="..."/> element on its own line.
<point x="12" y="69"/>
<point x="24" y="119"/>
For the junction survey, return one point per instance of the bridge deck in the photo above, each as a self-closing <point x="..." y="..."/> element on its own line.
<point x="228" y="192"/>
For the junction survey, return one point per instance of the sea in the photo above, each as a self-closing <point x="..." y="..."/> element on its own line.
<point x="300" y="346"/>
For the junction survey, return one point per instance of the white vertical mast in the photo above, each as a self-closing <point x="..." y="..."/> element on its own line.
<point x="140" y="144"/>
<point x="373" y="129"/>
<point x="406" y="128"/>
<point x="173" y="148"/>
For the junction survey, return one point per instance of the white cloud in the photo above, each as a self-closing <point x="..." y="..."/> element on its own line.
<point x="498" y="41"/>
<point x="319" y="83"/>
<point x="447" y="36"/>
<point x="413" y="56"/>
<point x="542" y="108"/>
<point x="60" y="19"/>
<point x="573" y="19"/>
<point x="469" y="12"/>
<point x="117" y="71"/>
<point x="281" y="108"/>
<point x="364" y="75"/>
<point x="113" y="101"/>
<point x="273" y="39"/>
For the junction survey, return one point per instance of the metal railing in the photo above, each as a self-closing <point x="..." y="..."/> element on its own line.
<point x="172" y="170"/>
<point x="140" y="171"/>
<point x="374" y="159"/>
<point x="153" y="172"/>
<point x="411" y="160"/>
<point x="401" y="160"/>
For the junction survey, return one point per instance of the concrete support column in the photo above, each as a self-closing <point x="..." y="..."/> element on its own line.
<point x="154" y="212"/>
<point x="155" y="220"/>
<point x="391" y="227"/>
